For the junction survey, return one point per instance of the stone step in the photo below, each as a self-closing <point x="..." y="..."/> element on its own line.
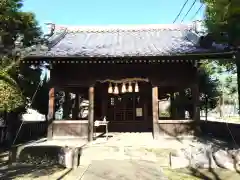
<point x="102" y="153"/>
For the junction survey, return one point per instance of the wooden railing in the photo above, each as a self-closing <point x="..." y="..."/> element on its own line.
<point x="32" y="131"/>
<point x="28" y="132"/>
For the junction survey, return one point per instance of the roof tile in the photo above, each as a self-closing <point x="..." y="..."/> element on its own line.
<point x="115" y="42"/>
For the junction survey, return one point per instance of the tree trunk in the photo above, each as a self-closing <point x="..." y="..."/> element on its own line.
<point x="221" y="106"/>
<point x="238" y="78"/>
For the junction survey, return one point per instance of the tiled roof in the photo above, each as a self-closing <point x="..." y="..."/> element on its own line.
<point x="120" y="41"/>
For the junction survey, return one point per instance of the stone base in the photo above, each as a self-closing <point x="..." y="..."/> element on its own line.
<point x="68" y="157"/>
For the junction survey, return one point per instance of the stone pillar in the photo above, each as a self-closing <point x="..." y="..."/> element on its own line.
<point x="50" y="115"/>
<point x="90" y="113"/>
<point x="156" y="129"/>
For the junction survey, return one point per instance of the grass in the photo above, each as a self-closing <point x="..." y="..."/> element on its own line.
<point x="178" y="174"/>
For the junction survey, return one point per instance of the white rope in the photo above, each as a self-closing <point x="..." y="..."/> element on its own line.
<point x="230" y="132"/>
<point x="124" y="80"/>
<point x="27" y="106"/>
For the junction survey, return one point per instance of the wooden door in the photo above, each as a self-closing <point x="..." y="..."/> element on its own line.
<point x="130" y="111"/>
<point x="126" y="107"/>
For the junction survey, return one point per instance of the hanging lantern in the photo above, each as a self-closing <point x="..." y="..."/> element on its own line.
<point x="136" y="87"/>
<point x="110" y="89"/>
<point x="124" y="88"/>
<point x="116" y="91"/>
<point x="130" y="89"/>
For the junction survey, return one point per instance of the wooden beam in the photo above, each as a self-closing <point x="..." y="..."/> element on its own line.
<point x="50" y="113"/>
<point x="190" y="56"/>
<point x="156" y="129"/>
<point x="90" y="113"/>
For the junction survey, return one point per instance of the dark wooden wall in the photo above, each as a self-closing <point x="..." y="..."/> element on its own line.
<point x="177" y="128"/>
<point x="85" y="75"/>
<point x="74" y="128"/>
<point x="165" y="74"/>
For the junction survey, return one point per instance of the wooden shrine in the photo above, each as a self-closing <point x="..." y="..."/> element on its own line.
<point x="131" y="76"/>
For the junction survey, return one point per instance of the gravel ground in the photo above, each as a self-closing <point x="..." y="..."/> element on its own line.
<point x="19" y="171"/>
<point x="126" y="146"/>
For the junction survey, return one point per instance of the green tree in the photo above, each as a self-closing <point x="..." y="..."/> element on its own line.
<point x="14" y="23"/>
<point x="222" y="21"/>
<point x="208" y="90"/>
<point x="208" y="85"/>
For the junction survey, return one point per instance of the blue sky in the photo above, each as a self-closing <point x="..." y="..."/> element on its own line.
<point x="101" y="12"/>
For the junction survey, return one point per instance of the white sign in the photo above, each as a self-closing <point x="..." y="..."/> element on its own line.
<point x="33" y="116"/>
<point x="139" y="112"/>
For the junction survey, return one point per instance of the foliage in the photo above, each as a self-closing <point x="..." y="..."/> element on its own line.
<point x="14" y="24"/>
<point x="222" y="20"/>
<point x="208" y="85"/>
<point x="10" y="95"/>
<point x="230" y="81"/>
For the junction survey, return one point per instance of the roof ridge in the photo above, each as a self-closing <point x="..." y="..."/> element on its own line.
<point x="114" y="28"/>
<point x="54" y="41"/>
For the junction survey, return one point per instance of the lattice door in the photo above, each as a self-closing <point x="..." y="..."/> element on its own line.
<point x="122" y="107"/>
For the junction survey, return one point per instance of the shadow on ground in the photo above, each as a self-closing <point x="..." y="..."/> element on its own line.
<point x="216" y="143"/>
<point x="25" y="170"/>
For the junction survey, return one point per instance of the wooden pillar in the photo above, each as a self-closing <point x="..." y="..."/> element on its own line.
<point x="196" y="108"/>
<point x="156" y="129"/>
<point x="181" y="108"/>
<point x="104" y="102"/>
<point x="76" y="107"/>
<point x="50" y="116"/>
<point x="90" y="113"/>
<point x="172" y="106"/>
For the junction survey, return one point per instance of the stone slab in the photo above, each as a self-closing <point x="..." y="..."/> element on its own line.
<point x="123" y="170"/>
